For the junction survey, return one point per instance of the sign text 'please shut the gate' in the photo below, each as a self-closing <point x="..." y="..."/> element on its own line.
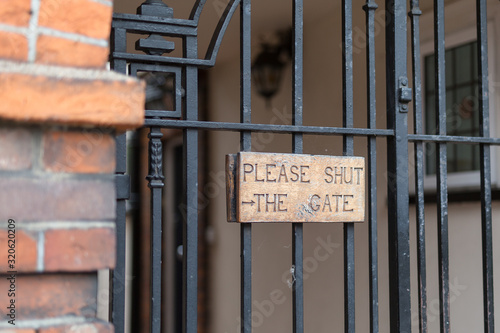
<point x="268" y="187"/>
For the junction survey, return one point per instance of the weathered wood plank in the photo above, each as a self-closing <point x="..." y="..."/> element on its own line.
<point x="231" y="187"/>
<point x="270" y="187"/>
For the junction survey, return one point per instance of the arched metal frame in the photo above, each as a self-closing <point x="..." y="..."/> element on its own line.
<point x="172" y="27"/>
<point x="185" y="117"/>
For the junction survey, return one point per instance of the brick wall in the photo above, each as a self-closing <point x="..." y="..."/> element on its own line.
<point x="59" y="113"/>
<point x="61" y="32"/>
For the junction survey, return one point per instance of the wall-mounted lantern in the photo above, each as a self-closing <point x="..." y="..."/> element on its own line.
<point x="267" y="69"/>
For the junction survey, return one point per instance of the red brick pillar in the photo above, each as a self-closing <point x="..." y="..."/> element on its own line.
<point x="59" y="112"/>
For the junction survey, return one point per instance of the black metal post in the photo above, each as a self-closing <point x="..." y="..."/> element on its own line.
<point x="419" y="165"/>
<point x="246" y="145"/>
<point x="397" y="168"/>
<point x="441" y="166"/>
<point x="370" y="8"/>
<point x="155" y="179"/>
<point x="190" y="232"/>
<point x="118" y="42"/>
<point x="348" y="121"/>
<point x="297" y="147"/>
<point x="485" y="166"/>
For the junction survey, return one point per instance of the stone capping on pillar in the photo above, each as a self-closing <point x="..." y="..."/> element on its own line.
<point x="48" y="94"/>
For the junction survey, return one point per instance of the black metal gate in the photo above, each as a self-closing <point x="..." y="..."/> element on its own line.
<point x="155" y="19"/>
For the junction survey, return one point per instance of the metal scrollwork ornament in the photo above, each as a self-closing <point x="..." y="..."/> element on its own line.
<point x="155" y="176"/>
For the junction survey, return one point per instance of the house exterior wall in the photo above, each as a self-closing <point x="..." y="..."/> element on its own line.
<point x="59" y="115"/>
<point x="323" y="248"/>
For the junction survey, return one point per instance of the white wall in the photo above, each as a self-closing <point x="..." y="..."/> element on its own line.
<point x="272" y="242"/>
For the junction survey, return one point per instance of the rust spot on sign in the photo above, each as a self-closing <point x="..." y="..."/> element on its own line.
<point x="268" y="187"/>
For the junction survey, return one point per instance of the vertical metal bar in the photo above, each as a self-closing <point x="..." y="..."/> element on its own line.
<point x="486" y="219"/>
<point x="347" y="75"/>
<point x="118" y="44"/>
<point x="190" y="233"/>
<point x="119" y="272"/>
<point x="415" y="13"/>
<point x="246" y="145"/>
<point x="370" y="8"/>
<point x="397" y="169"/>
<point x="348" y="121"/>
<point x="441" y="168"/>
<point x="155" y="178"/>
<point x="297" y="146"/>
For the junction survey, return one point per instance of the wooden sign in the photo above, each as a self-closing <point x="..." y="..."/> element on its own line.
<point x="264" y="187"/>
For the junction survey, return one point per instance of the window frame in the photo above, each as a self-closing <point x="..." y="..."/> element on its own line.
<point x="468" y="180"/>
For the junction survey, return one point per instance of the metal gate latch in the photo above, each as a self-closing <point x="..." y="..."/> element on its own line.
<point x="404" y="94"/>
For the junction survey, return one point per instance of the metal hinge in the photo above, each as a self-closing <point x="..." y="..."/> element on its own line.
<point x="122" y="183"/>
<point x="405" y="94"/>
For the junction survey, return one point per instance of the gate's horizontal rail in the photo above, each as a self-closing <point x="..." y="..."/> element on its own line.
<point x="122" y="18"/>
<point x="153" y="59"/>
<point x="150" y="24"/>
<point x="319" y="130"/>
<point x="284" y="129"/>
<point x="453" y="139"/>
